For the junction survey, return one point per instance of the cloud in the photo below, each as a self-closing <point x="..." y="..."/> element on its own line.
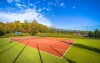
<point x="31" y="4"/>
<point x="53" y="15"/>
<point x="39" y="10"/>
<point x="62" y="4"/>
<point x="73" y="7"/>
<point x="9" y="1"/>
<point x="28" y="14"/>
<point x="20" y="5"/>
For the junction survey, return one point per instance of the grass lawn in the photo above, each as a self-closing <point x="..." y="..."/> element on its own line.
<point x="82" y="51"/>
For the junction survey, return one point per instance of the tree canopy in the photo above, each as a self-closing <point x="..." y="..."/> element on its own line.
<point x="25" y="27"/>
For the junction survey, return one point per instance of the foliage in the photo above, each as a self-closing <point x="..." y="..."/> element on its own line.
<point x="16" y="35"/>
<point x="25" y="27"/>
<point x="71" y="35"/>
<point x="1" y="29"/>
<point x="90" y="34"/>
<point x="95" y="34"/>
<point x="35" y="28"/>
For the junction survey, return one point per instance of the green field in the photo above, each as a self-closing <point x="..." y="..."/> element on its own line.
<point x="82" y="51"/>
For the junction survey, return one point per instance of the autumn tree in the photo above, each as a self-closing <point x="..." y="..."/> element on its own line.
<point x="1" y="28"/>
<point x="17" y="25"/>
<point x="9" y="28"/>
<point x="25" y="27"/>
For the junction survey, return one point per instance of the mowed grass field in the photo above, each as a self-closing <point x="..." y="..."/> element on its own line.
<point x="82" y="51"/>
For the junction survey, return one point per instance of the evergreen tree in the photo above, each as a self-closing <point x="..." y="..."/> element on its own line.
<point x="90" y="34"/>
<point x="96" y="33"/>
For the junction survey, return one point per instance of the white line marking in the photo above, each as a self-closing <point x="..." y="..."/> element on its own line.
<point x="45" y="52"/>
<point x="51" y="45"/>
<point x="50" y="53"/>
<point x="42" y="51"/>
<point x="67" y="49"/>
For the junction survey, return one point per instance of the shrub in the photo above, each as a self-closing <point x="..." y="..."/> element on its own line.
<point x="58" y="35"/>
<point x="15" y="35"/>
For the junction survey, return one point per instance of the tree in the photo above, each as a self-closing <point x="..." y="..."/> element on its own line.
<point x="43" y="28"/>
<point x="99" y="34"/>
<point x="25" y="27"/>
<point x="9" y="28"/>
<point x="53" y="30"/>
<point x="1" y="28"/>
<point x="90" y="34"/>
<point x="96" y="33"/>
<point x="17" y="25"/>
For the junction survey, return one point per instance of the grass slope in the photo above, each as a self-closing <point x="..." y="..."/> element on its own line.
<point x="82" y="51"/>
<point x="85" y="51"/>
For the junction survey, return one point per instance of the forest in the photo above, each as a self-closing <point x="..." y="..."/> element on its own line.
<point x="35" y="28"/>
<point x="25" y="27"/>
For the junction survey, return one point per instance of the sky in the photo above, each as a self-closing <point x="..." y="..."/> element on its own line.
<point x="56" y="13"/>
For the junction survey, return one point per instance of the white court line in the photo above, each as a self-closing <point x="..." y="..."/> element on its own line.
<point x="50" y="53"/>
<point x="68" y="49"/>
<point x="42" y="51"/>
<point x="50" y="47"/>
<point x="57" y="56"/>
<point x="45" y="52"/>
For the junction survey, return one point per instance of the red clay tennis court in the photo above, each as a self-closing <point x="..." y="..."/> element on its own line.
<point x="48" y="45"/>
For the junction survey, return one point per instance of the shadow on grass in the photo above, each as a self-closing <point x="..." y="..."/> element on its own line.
<point x="6" y="44"/>
<point x="39" y="53"/>
<point x="20" y="53"/>
<point x="8" y="48"/>
<point x="96" y="50"/>
<point x="70" y="61"/>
